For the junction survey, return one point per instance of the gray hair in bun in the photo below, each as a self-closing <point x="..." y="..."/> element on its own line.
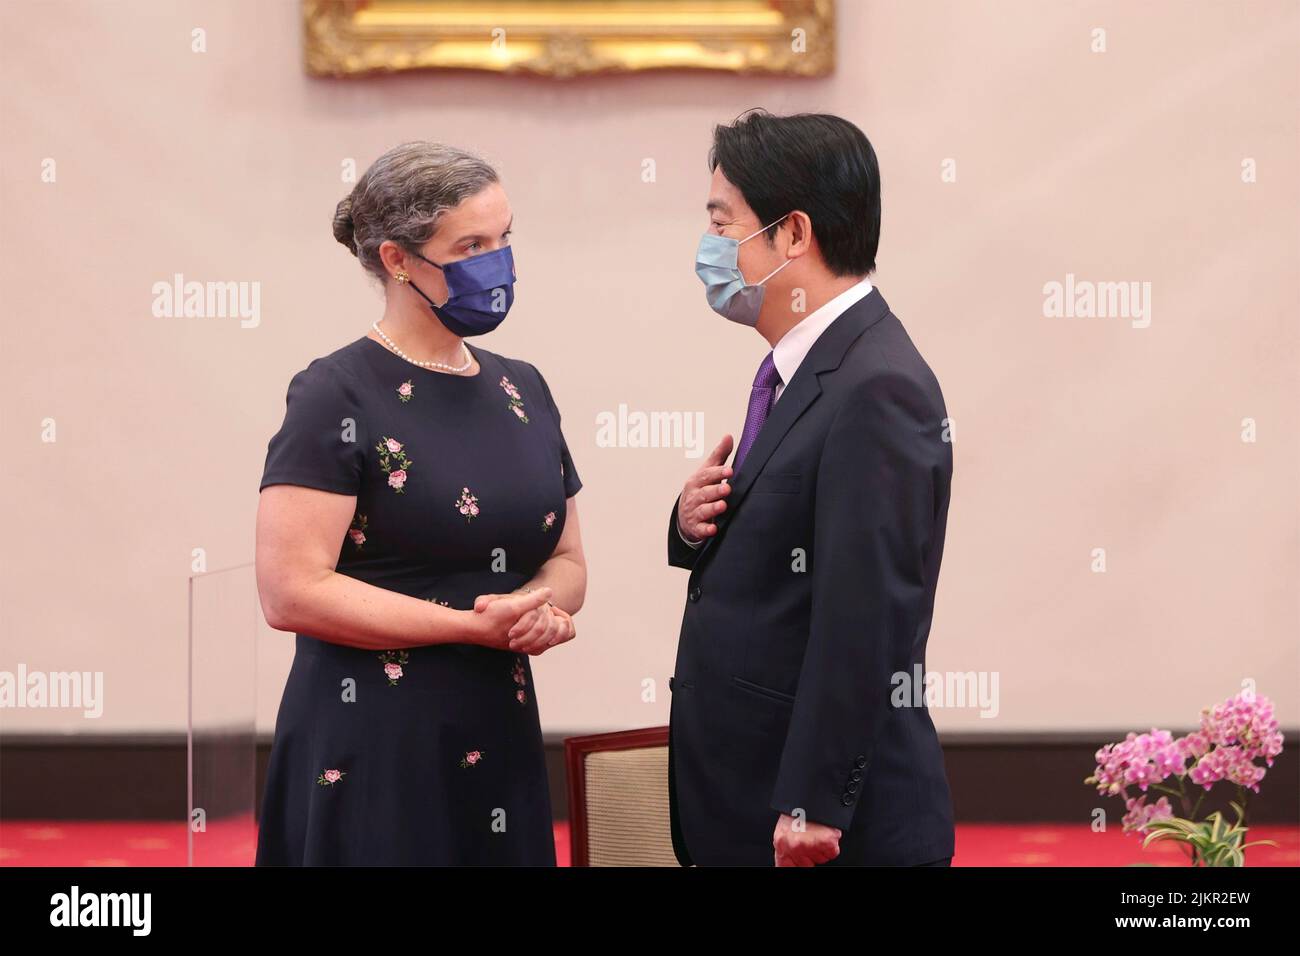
<point x="403" y="195"/>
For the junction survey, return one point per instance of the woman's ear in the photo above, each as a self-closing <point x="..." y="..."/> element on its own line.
<point x="394" y="257"/>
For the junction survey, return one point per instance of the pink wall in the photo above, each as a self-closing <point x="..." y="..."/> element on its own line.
<point x="1071" y="433"/>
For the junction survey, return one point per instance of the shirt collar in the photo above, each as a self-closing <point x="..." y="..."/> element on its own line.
<point x="791" y="348"/>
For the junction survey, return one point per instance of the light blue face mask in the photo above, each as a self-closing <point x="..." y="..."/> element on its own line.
<point x="728" y="293"/>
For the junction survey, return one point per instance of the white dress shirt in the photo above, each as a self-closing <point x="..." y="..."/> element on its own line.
<point x="793" y="347"/>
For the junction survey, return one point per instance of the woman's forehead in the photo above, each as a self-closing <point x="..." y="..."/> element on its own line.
<point x="485" y="214"/>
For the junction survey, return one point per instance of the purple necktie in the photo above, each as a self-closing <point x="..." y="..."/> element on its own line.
<point x="760" y="403"/>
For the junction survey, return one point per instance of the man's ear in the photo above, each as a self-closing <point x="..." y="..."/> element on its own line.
<point x="801" y="234"/>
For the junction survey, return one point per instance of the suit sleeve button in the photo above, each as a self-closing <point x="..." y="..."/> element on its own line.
<point x="847" y="799"/>
<point x="861" y="761"/>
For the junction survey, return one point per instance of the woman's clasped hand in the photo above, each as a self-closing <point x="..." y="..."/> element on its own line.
<point x="523" y="622"/>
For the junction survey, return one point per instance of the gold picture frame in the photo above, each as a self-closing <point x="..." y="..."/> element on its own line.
<point x="565" y="38"/>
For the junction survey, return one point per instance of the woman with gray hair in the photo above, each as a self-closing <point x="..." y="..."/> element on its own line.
<point x="417" y="529"/>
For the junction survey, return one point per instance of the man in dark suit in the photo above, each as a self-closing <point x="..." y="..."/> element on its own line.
<point x="796" y="734"/>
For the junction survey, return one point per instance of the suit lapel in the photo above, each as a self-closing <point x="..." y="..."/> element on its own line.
<point x="804" y="389"/>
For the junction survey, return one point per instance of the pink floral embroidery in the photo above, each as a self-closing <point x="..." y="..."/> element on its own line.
<point x="549" y="521"/>
<point x="521" y="679"/>
<point x="330" y="777"/>
<point x="358" y="530"/>
<point x="391" y="450"/>
<point x="405" y="391"/>
<point x="471" y="758"/>
<point x="467" y="505"/>
<point x="393" y="661"/>
<point x="516" y="404"/>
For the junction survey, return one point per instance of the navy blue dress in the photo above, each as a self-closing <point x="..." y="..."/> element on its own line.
<point x="428" y="755"/>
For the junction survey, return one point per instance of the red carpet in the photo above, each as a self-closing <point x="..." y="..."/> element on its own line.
<point x="61" y="843"/>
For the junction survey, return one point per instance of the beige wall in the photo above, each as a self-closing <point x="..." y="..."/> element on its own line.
<point x="1071" y="433"/>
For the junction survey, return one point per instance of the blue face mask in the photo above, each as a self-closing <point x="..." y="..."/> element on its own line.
<point x="728" y="293"/>
<point x="480" y="291"/>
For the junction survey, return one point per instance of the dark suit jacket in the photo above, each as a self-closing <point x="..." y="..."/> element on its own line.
<point x="816" y="591"/>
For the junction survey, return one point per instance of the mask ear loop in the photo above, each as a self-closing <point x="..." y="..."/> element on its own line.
<point x="412" y="284"/>
<point x="774" y="271"/>
<point x="782" y="265"/>
<point x="753" y="234"/>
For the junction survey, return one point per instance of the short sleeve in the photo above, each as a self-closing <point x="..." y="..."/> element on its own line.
<point x="320" y="444"/>
<point x="571" y="480"/>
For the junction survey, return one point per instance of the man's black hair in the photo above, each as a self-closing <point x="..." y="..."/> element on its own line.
<point x="815" y="162"/>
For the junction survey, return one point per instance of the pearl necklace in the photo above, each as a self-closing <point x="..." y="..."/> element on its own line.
<point x="469" y="359"/>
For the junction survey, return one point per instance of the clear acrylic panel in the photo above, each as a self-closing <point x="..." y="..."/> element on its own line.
<point x="222" y="752"/>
